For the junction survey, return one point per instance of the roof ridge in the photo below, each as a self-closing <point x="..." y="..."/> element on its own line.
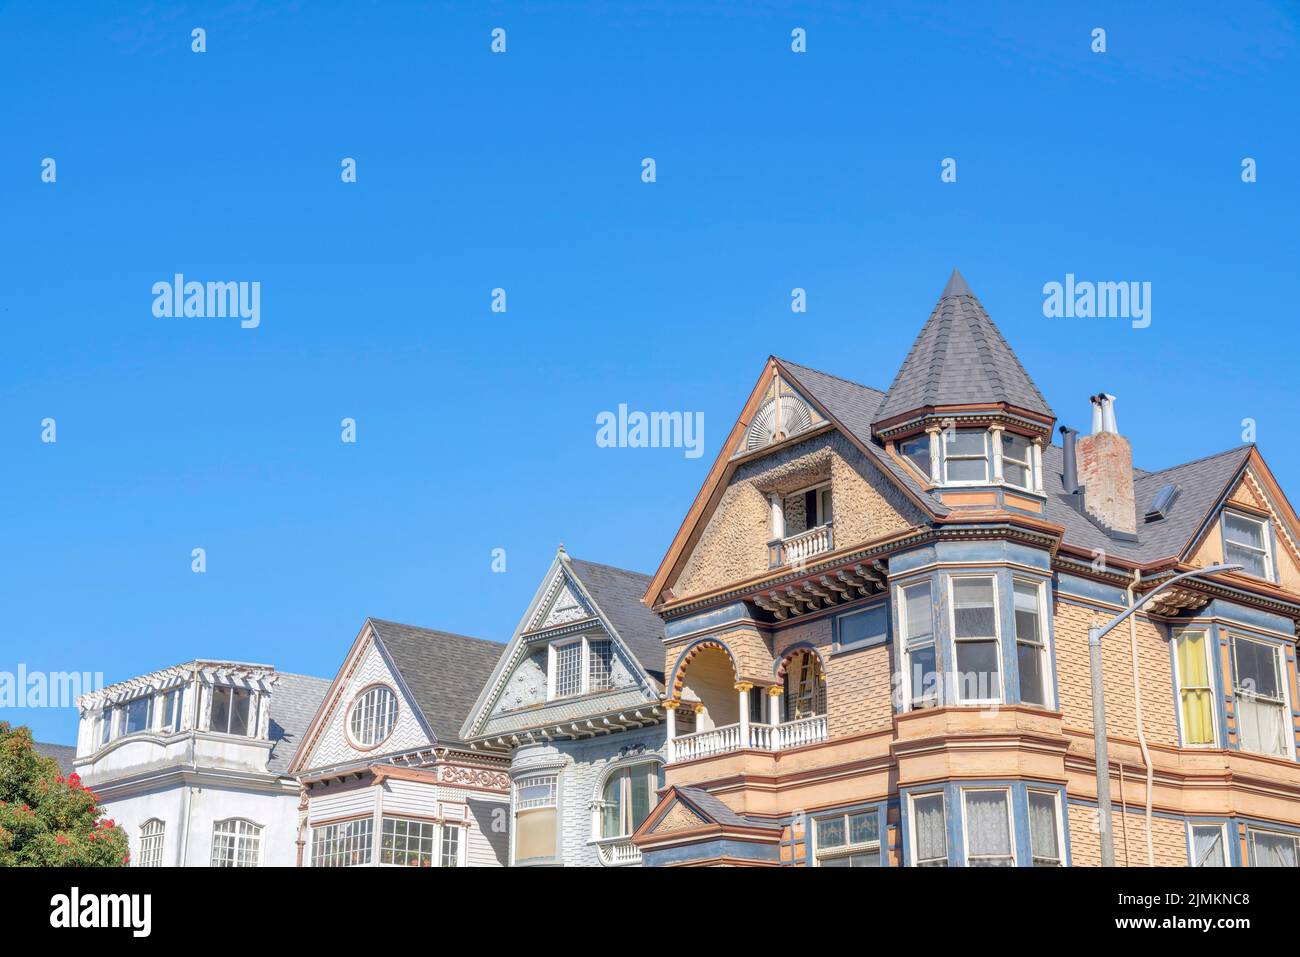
<point x="617" y="568"/>
<point x="435" y="631"/>
<point x="1204" y="458"/>
<point x="831" y="375"/>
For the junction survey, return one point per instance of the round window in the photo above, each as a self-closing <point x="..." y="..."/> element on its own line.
<point x="373" y="716"/>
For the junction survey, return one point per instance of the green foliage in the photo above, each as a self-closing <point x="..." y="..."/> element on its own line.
<point x="47" y="820"/>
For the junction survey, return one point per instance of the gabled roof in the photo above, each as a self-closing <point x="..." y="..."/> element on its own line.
<point x="960" y="358"/>
<point x="613" y="596"/>
<point x="295" y="700"/>
<point x="443" y="671"/>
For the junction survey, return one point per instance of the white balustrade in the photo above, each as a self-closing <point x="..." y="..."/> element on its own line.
<point x="799" y="548"/>
<point x="762" y="737"/>
<point x="795" y="734"/>
<point x="701" y="744"/>
<point x="619" y="853"/>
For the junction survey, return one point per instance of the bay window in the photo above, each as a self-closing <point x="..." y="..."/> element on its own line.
<point x="976" y="654"/>
<point x="917" y="451"/>
<point x="535" y="817"/>
<point x="1017" y="461"/>
<point x="916" y="622"/>
<point x="1192" y="671"/>
<point x="1262" y="714"/>
<point x="986" y="817"/>
<point x="346" y="844"/>
<point x="409" y="843"/>
<point x="1246" y="543"/>
<point x="1031" y="643"/>
<point x="848" y="840"/>
<point x="929" y="830"/>
<point x="1045" y="838"/>
<point x="1208" y="845"/>
<point x="627" y="797"/>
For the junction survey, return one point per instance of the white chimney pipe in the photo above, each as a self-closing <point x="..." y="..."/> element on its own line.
<point x="1096" y="413"/>
<point x="1108" y="413"/>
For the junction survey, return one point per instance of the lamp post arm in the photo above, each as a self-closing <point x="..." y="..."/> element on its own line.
<point x="1099" y="633"/>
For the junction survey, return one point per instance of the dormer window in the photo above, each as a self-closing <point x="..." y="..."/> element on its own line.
<point x="965" y="456"/>
<point x="1246" y="543"/>
<point x="137" y="715"/>
<point x="582" y="665"/>
<point x="232" y="710"/>
<point x="917" y="451"/>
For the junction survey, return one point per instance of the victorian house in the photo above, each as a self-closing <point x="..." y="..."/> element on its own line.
<point x="193" y="761"/>
<point x="385" y="778"/>
<point x="574" y="705"/>
<point x="876" y="631"/>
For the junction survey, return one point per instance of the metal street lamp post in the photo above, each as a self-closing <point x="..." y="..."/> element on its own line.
<point x="1099" y="706"/>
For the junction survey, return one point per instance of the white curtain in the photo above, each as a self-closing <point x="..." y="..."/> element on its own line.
<point x="1207" y="847"/>
<point x="1042" y="827"/>
<point x="987" y="827"/>
<point x="1262" y="726"/>
<point x="931" y="835"/>
<point x="1273" y="850"/>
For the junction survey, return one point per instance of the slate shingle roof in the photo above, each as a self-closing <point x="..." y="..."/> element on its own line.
<point x="295" y="699"/>
<point x="960" y="357"/>
<point x="618" y="592"/>
<point x="719" y="812"/>
<point x="62" y="753"/>
<point x="445" y="672"/>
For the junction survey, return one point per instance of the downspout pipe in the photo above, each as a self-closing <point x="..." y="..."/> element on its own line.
<point x="1137" y="714"/>
<point x="1095" y="635"/>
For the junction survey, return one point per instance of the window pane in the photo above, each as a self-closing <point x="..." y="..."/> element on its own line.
<point x="973" y="611"/>
<point x="568" y="674"/>
<point x="1016" y="475"/>
<point x="220" y="709"/>
<point x="611" y="822"/>
<point x="977" y="670"/>
<point x="864" y="827"/>
<point x="1015" y="447"/>
<point x="1263" y="729"/>
<point x="988" y="828"/>
<point x="1207" y="847"/>
<point x="931" y="829"/>
<point x="600" y="658"/>
<point x="871" y="624"/>
<point x="1026" y="596"/>
<point x="1273" y="850"/>
<point x="639" y="782"/>
<point x="137" y="715"/>
<point x="967" y="470"/>
<point x="830" y="832"/>
<point x="921" y="668"/>
<point x="1032" y="685"/>
<point x="1252" y="562"/>
<point x="1244" y="531"/>
<point x="450" y="846"/>
<point x="239" y="711"/>
<point x="918" y="611"/>
<point x="1256" y="668"/>
<point x="824" y="513"/>
<point x="1043" y="840"/>
<point x="917" y="449"/>
<point x="964" y="441"/>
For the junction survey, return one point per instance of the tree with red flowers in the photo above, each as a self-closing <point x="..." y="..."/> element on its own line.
<point x="47" y="820"/>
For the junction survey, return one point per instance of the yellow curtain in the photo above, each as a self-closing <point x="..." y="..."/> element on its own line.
<point x="1198" y="699"/>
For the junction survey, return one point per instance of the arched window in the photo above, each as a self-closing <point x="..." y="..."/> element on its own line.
<point x="236" y="843"/>
<point x="373" y="716"/>
<point x="627" y="797"/>
<point x="805" y="692"/>
<point x="151" y="843"/>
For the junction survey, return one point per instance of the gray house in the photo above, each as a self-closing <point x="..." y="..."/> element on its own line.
<point x="575" y="703"/>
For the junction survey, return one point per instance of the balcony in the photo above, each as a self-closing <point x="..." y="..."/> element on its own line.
<point x="797" y="549"/>
<point x="618" y="852"/>
<point x="761" y="737"/>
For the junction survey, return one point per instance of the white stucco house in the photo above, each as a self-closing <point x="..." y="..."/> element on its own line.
<point x="192" y="761"/>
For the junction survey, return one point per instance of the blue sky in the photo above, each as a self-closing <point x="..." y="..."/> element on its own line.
<point x="476" y="430"/>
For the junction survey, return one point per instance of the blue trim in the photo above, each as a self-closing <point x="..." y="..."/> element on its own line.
<point x="702" y="621"/>
<point x="709" y="850"/>
<point x="1018" y="796"/>
<point x="811" y="819"/>
<point x="870" y="642"/>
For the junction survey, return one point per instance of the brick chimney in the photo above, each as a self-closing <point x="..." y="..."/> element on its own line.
<point x="1106" y="469"/>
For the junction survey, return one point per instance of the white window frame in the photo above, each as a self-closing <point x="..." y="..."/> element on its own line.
<point x="1266" y="536"/>
<point x="104" y="731"/>
<point x="584" y="665"/>
<point x="652" y="769"/>
<point x="924" y="438"/>
<point x="1221" y="827"/>
<point x="244" y="830"/>
<point x="174" y="722"/>
<point x="252" y="710"/>
<point x="376" y="718"/>
<point x="552" y="800"/>
<point x="1250" y="841"/>
<point x="904" y="645"/>
<point x="1284" y="682"/>
<point x="809" y="525"/>
<point x="996" y="638"/>
<point x="149" y="714"/>
<point x="151" y="843"/>
<point x="912" y="829"/>
<point x="944" y="457"/>
<point x="1044" y="643"/>
<point x="1027" y="463"/>
<point x="437" y="837"/>
<point x="848" y="848"/>
<point x="1060" y="826"/>
<point x="1011" y="823"/>
<point x="1208" y="645"/>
